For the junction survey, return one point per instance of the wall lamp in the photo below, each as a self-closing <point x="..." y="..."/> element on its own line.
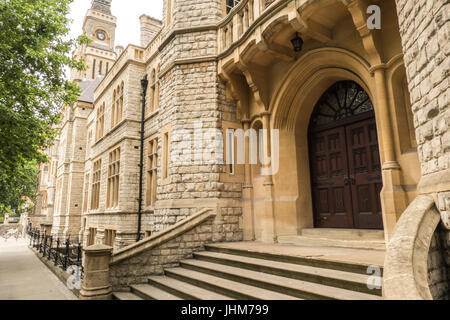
<point x="297" y="43"/>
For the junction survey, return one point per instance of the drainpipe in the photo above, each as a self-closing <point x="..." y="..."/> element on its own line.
<point x="144" y="84"/>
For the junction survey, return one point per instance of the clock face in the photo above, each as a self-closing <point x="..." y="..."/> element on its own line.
<point x="101" y="35"/>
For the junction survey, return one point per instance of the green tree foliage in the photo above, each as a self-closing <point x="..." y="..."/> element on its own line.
<point x="34" y="54"/>
<point x="22" y="184"/>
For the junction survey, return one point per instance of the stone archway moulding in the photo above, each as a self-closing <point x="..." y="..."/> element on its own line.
<point x="315" y="67"/>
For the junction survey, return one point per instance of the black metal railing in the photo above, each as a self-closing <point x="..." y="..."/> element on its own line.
<point x="63" y="250"/>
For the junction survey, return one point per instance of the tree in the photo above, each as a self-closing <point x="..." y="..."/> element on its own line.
<point x="34" y="55"/>
<point x="23" y="184"/>
<point x="33" y="87"/>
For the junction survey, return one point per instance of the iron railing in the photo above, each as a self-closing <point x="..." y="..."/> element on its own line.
<point x="63" y="250"/>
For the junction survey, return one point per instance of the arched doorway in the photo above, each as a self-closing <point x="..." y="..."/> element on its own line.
<point x="344" y="159"/>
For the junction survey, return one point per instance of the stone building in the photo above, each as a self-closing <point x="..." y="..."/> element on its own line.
<point x="345" y="129"/>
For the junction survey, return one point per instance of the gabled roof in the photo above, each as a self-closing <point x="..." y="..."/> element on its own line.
<point x="88" y="87"/>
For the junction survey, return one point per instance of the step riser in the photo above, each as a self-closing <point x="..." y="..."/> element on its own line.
<point x="208" y="286"/>
<point x="115" y="298"/>
<point x="294" y="275"/>
<point x="306" y="241"/>
<point x="259" y="284"/>
<point x="326" y="264"/>
<point x="170" y="290"/>
<point x="344" y="234"/>
<point x="142" y="295"/>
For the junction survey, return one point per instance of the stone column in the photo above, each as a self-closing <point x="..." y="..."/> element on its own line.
<point x="247" y="190"/>
<point x="6" y="219"/>
<point x="393" y="196"/>
<point x="96" y="284"/>
<point x="268" y="225"/>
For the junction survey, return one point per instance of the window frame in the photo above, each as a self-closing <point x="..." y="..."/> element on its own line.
<point x="96" y="181"/>
<point x="152" y="171"/>
<point x="113" y="185"/>
<point x="100" y="123"/>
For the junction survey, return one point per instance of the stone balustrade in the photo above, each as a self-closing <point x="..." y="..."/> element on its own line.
<point x="237" y="22"/>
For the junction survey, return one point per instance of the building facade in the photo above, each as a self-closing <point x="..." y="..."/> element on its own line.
<point x="344" y="125"/>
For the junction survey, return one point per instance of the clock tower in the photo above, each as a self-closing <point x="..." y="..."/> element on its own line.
<point x="100" y="26"/>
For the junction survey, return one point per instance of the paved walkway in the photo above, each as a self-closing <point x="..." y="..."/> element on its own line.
<point x="24" y="277"/>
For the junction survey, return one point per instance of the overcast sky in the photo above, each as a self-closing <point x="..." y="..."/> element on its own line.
<point x="127" y="13"/>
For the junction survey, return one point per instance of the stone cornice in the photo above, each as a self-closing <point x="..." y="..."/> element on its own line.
<point x="178" y="31"/>
<point x="178" y="62"/>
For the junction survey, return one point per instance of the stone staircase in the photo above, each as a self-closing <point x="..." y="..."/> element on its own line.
<point x="344" y="238"/>
<point x="224" y="272"/>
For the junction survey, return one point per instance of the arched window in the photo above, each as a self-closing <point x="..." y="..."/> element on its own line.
<point x="117" y="106"/>
<point x="100" y="125"/>
<point x="157" y="89"/>
<point x="120" y="108"/>
<point x="230" y="4"/>
<point x="153" y="81"/>
<point x="113" y="109"/>
<point x="342" y="100"/>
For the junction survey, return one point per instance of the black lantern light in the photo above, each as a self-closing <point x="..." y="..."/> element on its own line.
<point x="297" y="43"/>
<point x="144" y="82"/>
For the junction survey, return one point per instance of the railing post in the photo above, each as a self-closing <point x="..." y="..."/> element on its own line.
<point x="57" y="251"/>
<point x="79" y="254"/>
<point x="38" y="240"/>
<point x="66" y="257"/>
<point x="50" y="248"/>
<point x="96" y="284"/>
<point x="44" y="247"/>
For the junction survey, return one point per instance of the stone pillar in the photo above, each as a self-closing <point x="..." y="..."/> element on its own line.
<point x="268" y="225"/>
<point x="247" y="189"/>
<point x="96" y="284"/>
<point x="393" y="196"/>
<point x="6" y="219"/>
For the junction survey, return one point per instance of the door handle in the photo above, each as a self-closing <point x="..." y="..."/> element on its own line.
<point x="349" y="180"/>
<point x="352" y="179"/>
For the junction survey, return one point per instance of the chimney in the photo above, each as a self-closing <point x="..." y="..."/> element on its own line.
<point x="149" y="29"/>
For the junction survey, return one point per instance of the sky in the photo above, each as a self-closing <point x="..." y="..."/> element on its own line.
<point x="127" y="13"/>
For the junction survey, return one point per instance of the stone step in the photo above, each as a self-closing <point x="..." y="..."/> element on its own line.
<point x="285" y="285"/>
<point x="315" y="241"/>
<point x="343" y="234"/>
<point x="149" y="292"/>
<point x="330" y="277"/>
<point x="319" y="262"/>
<point x="125" y="296"/>
<point x="184" y="290"/>
<point x="224" y="286"/>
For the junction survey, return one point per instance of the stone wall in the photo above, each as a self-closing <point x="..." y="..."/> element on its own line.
<point x="192" y="104"/>
<point x="438" y="265"/>
<point x="172" y="245"/>
<point x="425" y="32"/>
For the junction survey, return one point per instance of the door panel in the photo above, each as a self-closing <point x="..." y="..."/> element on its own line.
<point x="329" y="167"/>
<point x="365" y="174"/>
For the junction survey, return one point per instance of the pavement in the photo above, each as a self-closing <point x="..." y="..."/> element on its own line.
<point x="24" y="277"/>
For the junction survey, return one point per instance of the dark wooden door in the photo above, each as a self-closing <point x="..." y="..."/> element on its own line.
<point x="365" y="174"/>
<point x="329" y="173"/>
<point x="344" y="159"/>
<point x="346" y="175"/>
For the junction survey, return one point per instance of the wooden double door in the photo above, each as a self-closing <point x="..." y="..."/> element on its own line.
<point x="346" y="174"/>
